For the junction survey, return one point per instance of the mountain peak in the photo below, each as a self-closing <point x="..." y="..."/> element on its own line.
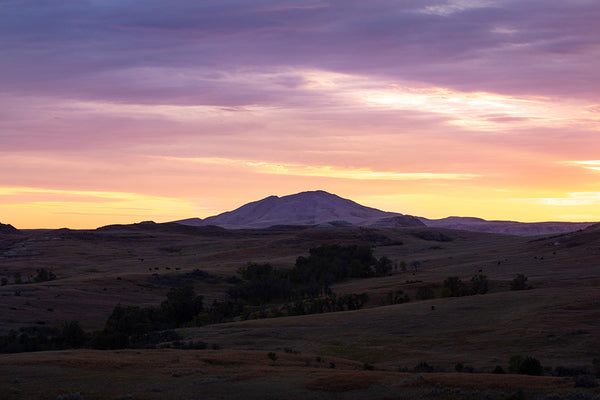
<point x="304" y="208"/>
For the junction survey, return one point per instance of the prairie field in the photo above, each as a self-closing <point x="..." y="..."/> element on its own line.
<point x="367" y="353"/>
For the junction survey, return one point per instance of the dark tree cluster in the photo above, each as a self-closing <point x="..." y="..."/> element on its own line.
<point x="454" y="287"/>
<point x="38" y="338"/>
<point x="519" y="283"/>
<point x="328" y="264"/>
<point x="127" y="325"/>
<point x="311" y="276"/>
<point x="331" y="303"/>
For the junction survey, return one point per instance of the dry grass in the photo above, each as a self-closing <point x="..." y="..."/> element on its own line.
<point x="558" y="322"/>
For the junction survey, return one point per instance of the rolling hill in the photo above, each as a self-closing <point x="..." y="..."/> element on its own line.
<point x="306" y="208"/>
<point x="322" y="208"/>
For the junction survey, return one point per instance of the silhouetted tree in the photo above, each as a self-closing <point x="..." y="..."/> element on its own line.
<point x="454" y="287"/>
<point x="519" y="283"/>
<point x="480" y="284"/>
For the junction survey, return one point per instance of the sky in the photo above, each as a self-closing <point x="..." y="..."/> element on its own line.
<point x="120" y="111"/>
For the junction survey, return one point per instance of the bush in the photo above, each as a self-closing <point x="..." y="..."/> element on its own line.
<point x="519" y="283"/>
<point x="425" y="293"/>
<point x="454" y="287"/>
<point x="423" y="367"/>
<point x="525" y="366"/>
<point x="479" y="284"/>
<point x="383" y="266"/>
<point x="498" y="370"/>
<point x="73" y="335"/>
<point x="585" y="381"/>
<point x="70" y="396"/>
<point x="518" y="395"/>
<point x="397" y="297"/>
<point x="44" y="275"/>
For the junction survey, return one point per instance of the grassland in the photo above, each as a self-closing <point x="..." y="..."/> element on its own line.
<point x="557" y="322"/>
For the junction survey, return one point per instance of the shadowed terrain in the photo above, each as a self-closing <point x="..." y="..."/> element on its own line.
<point x="367" y="353"/>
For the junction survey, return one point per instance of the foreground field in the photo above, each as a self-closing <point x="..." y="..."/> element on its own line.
<point x="227" y="374"/>
<point x="351" y="354"/>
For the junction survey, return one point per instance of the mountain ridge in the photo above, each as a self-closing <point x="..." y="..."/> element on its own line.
<point x="322" y="208"/>
<point x="304" y="208"/>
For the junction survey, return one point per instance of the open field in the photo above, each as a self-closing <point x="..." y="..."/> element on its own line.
<point x="557" y="322"/>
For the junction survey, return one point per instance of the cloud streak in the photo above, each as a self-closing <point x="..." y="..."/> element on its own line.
<point x="396" y="98"/>
<point x="325" y="171"/>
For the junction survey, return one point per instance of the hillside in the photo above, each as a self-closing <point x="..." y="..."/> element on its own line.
<point x="8" y="229"/>
<point x="326" y="209"/>
<point x="369" y="353"/>
<point x="306" y="208"/>
<point x="505" y="227"/>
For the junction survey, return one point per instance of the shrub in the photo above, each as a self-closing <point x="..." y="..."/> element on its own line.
<point x="525" y="366"/>
<point x="519" y="283"/>
<point x="423" y="367"/>
<point x="454" y="287"/>
<point x="425" y="293"/>
<point x="44" y="275"/>
<point x="397" y="297"/>
<point x="73" y="335"/>
<point x="70" y="396"/>
<point x="272" y="356"/>
<point x="498" y="370"/>
<point x="518" y="395"/>
<point x="383" y="266"/>
<point x="586" y="381"/>
<point x="480" y="284"/>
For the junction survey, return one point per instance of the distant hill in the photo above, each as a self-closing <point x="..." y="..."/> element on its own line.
<point x="8" y="229"/>
<point x="506" y="227"/>
<point x="326" y="209"/>
<point x="168" y="227"/>
<point x="306" y="208"/>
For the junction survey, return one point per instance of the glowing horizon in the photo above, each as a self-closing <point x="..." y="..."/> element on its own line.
<point x="484" y="109"/>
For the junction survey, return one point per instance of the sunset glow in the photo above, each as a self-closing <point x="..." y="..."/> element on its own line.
<point x="118" y="112"/>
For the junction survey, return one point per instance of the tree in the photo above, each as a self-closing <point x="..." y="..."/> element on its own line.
<point x="480" y="284"/>
<point x="255" y="271"/>
<point x="454" y="287"/>
<point x="383" y="266"/>
<point x="525" y="366"/>
<point x="519" y="283"/>
<point x="73" y="335"/>
<point x="425" y="293"/>
<point x="181" y="305"/>
<point x="44" y="275"/>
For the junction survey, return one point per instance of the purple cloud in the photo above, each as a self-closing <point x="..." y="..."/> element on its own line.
<point x="87" y="50"/>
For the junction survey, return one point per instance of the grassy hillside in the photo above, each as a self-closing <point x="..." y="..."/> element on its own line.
<point x="557" y="321"/>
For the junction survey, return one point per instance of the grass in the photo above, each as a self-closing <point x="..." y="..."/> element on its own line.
<point x="557" y="322"/>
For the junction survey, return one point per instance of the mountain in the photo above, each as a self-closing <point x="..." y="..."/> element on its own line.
<point x="8" y="229"/>
<point x="506" y="227"/>
<point x="326" y="209"/>
<point x="306" y="208"/>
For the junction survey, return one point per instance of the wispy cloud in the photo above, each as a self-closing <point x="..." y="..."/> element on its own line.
<point x="572" y="199"/>
<point x="323" y="171"/>
<point x="591" y="164"/>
